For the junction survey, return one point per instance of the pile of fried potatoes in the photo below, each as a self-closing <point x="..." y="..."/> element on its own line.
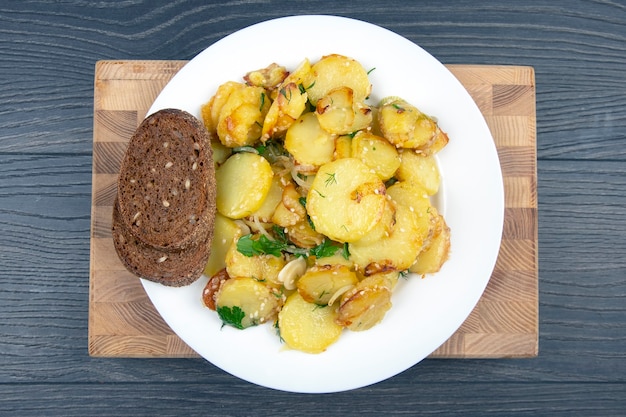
<point x="323" y="200"/>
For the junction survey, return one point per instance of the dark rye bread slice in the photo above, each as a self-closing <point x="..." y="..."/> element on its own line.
<point x="174" y="269"/>
<point x="166" y="186"/>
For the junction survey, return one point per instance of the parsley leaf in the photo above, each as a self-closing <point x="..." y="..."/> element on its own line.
<point x="231" y="315"/>
<point x="263" y="245"/>
<point x="324" y="249"/>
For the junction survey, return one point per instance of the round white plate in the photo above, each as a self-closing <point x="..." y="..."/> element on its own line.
<point x="425" y="312"/>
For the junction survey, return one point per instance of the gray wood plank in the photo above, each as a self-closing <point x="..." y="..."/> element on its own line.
<point x="216" y="399"/>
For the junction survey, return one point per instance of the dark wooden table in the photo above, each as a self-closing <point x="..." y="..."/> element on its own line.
<point x="48" y="51"/>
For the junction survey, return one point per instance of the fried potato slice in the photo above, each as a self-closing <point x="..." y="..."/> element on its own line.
<point x="346" y="200"/>
<point x="306" y="326"/>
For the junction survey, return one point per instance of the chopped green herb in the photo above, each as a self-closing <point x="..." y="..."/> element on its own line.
<point x="248" y="246"/>
<point x="280" y="232"/>
<point x="284" y="92"/>
<point x="320" y="194"/>
<point x="232" y="316"/>
<point x="370" y="71"/>
<point x="271" y="150"/>
<point x="324" y="249"/>
<point x="262" y="102"/>
<point x="330" y="179"/>
<point x="277" y="327"/>
<point x="308" y="218"/>
<point x="391" y="181"/>
<point x="261" y="246"/>
<point x="346" y="251"/>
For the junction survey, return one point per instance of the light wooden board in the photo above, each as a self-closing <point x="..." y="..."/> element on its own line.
<point x="123" y="321"/>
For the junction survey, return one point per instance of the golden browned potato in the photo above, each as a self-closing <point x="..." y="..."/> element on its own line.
<point x="302" y="76"/>
<point x="343" y="147"/>
<point x="334" y="71"/>
<point x="416" y="199"/>
<point x="241" y="118"/>
<point x="289" y="104"/>
<point x="211" y="110"/>
<point x="339" y="113"/>
<point x="438" y="143"/>
<point x="404" y="125"/>
<point x="377" y="153"/>
<point x="395" y="252"/>
<point x="346" y="200"/>
<point x="384" y="226"/>
<point x="243" y="182"/>
<point x="243" y="302"/>
<point x="306" y="326"/>
<point x="308" y="143"/>
<point x="303" y="235"/>
<point x="324" y="284"/>
<point x="289" y="210"/>
<point x="212" y="288"/>
<point x="419" y="169"/>
<point x="269" y="77"/>
<point x="366" y="305"/>
<point x="435" y="255"/>
<point x="410" y="195"/>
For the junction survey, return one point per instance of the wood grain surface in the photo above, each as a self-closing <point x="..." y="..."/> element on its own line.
<point x="48" y="51"/>
<point x="123" y="322"/>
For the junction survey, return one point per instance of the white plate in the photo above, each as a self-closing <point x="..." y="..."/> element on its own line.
<point x="425" y="312"/>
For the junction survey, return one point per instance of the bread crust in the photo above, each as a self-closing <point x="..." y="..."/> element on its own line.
<point x="166" y="185"/>
<point x="174" y="269"/>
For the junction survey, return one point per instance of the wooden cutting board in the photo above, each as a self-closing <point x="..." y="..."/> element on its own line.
<point x="123" y="321"/>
